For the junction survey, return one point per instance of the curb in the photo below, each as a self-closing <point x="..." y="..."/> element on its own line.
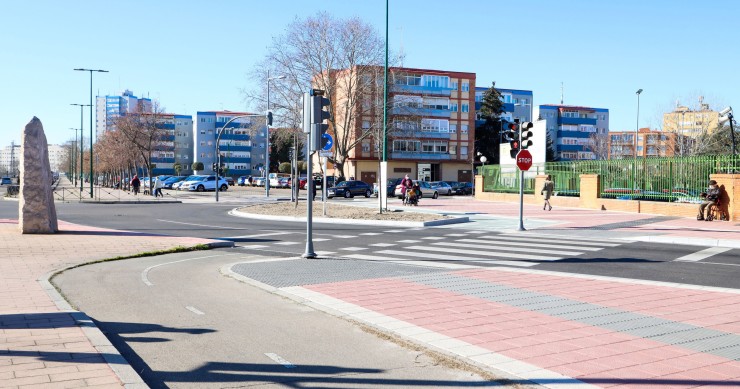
<point x="387" y="223"/>
<point x="130" y="202"/>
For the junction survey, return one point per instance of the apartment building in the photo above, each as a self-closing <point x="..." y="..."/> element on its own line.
<point x="691" y="122"/>
<point x="431" y="125"/>
<point x="10" y="158"/>
<point x="108" y="108"/>
<point x="650" y="143"/>
<point x="242" y="143"/>
<point x="575" y="130"/>
<point x="517" y="104"/>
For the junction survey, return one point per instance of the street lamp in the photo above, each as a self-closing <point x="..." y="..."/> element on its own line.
<point x="726" y="116"/>
<point x="74" y="154"/>
<point x="267" y="134"/>
<point x="637" y="130"/>
<point x="82" y="157"/>
<point x="218" y="150"/>
<point x="91" y="123"/>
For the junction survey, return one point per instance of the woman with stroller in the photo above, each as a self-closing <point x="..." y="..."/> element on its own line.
<point x="413" y="195"/>
<point x="406" y="184"/>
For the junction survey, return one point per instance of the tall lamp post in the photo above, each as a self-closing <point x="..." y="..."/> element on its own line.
<point x="74" y="154"/>
<point x="91" y="122"/>
<point x="267" y="134"/>
<point x="82" y="157"/>
<point x="726" y="116"/>
<point x="637" y="130"/>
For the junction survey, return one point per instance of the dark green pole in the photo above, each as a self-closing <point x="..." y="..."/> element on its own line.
<point x="91" y="122"/>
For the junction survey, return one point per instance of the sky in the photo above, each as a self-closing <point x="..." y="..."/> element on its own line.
<point x="197" y="55"/>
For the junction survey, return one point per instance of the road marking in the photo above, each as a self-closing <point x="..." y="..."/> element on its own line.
<point x="371" y="233"/>
<point x="706" y="253"/>
<point x="286" y="243"/>
<point x="462" y="253"/>
<point x="345" y="236"/>
<point x="256" y="235"/>
<point x="560" y="238"/>
<point x="319" y="239"/>
<point x="433" y="237"/>
<point x="326" y="252"/>
<point x="394" y="231"/>
<point x="253" y="246"/>
<point x="455" y="258"/>
<point x="201" y="225"/>
<point x="506" y="242"/>
<point x="504" y="248"/>
<point x="456" y="235"/>
<point x="383" y="244"/>
<point x="280" y="360"/>
<point x="409" y="241"/>
<point x="354" y="248"/>
<point x="145" y="273"/>
<point x="538" y="239"/>
<point x="442" y="265"/>
<point x="194" y="310"/>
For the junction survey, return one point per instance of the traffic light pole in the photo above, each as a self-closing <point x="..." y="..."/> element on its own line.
<point x="309" y="253"/>
<point x="521" y="192"/>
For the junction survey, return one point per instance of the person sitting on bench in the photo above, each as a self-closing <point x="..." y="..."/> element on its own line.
<point x="710" y="199"/>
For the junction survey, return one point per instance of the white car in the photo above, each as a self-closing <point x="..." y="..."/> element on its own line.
<point x="178" y="185"/>
<point x="205" y="183"/>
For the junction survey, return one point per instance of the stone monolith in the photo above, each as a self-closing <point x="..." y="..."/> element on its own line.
<point x="37" y="214"/>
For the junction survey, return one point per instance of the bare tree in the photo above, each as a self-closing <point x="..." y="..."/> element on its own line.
<point x="342" y="57"/>
<point x="144" y="133"/>
<point x="599" y="145"/>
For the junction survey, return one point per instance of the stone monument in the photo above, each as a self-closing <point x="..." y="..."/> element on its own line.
<point x="37" y="214"/>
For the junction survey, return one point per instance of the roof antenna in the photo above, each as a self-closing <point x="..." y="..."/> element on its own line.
<point x="401" y="54"/>
<point x="561" y="93"/>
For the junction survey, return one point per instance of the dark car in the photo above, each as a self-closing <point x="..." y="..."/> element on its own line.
<point x="170" y="181"/>
<point x="461" y="188"/>
<point x="349" y="189"/>
<point x="6" y="181"/>
<point x="230" y="181"/>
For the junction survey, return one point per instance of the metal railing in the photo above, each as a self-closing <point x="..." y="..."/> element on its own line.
<point x="674" y="179"/>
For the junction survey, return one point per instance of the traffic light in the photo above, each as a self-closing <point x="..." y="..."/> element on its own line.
<point x="269" y="118"/>
<point x="318" y="116"/>
<point x="526" y="134"/>
<point x="214" y="167"/>
<point x="306" y="114"/>
<point x="512" y="135"/>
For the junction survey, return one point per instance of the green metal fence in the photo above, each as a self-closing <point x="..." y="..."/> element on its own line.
<point x="675" y="179"/>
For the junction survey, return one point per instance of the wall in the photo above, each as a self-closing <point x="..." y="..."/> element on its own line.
<point x="589" y="199"/>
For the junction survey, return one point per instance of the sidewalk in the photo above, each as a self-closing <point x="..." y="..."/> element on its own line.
<point x="42" y="340"/>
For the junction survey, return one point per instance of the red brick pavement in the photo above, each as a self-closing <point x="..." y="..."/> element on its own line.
<point x="39" y="343"/>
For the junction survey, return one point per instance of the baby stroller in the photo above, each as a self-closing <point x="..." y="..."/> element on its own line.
<point x="412" y="197"/>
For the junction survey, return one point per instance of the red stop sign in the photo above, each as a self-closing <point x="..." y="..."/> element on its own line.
<point x="524" y="160"/>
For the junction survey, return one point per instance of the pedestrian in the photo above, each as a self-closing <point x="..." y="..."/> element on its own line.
<point x="135" y="184"/>
<point x="546" y="191"/>
<point x="710" y="198"/>
<point x="158" y="185"/>
<point x="249" y="180"/>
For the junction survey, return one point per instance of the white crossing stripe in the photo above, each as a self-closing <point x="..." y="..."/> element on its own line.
<point x="443" y="265"/>
<point x="325" y="252"/>
<point x="345" y="236"/>
<point x="536" y="239"/>
<point x="456" y="235"/>
<point x="409" y="241"/>
<point x="463" y="253"/>
<point x="383" y="244"/>
<point x="280" y="360"/>
<point x="354" y="248"/>
<point x="371" y="233"/>
<point x="286" y="243"/>
<point x="256" y="235"/>
<point x="505" y="248"/>
<point x="706" y="253"/>
<point x="506" y="242"/>
<point x="319" y="239"/>
<point x="576" y="240"/>
<point x="454" y="257"/>
<point x="194" y="310"/>
<point x="394" y="231"/>
<point x="433" y="238"/>
<point x="253" y="246"/>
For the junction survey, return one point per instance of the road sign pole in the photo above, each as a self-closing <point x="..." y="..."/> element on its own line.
<point x="521" y="201"/>
<point x="323" y="189"/>
<point x="309" y="253"/>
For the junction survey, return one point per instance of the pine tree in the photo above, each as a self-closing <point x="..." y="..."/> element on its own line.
<point x="488" y="133"/>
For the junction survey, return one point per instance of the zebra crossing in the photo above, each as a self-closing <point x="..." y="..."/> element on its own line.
<point x="451" y="250"/>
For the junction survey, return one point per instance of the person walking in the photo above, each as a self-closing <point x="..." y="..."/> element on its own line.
<point x="158" y="185"/>
<point x="710" y="198"/>
<point x="135" y="184"/>
<point x="547" y="190"/>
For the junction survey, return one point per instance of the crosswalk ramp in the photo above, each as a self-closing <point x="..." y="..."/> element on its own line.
<point x="506" y="249"/>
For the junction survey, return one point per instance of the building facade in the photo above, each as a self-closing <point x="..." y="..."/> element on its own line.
<point x="517" y="104"/>
<point x="108" y="108"/>
<point x="577" y="133"/>
<point x="10" y="158"/>
<point x="650" y="143"/>
<point x="431" y="125"/>
<point x="691" y="122"/>
<point x="242" y="143"/>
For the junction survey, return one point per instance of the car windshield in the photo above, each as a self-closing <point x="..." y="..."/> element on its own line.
<point x="343" y="184"/>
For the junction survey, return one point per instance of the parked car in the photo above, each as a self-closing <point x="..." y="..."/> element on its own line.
<point x="6" y="181"/>
<point x="461" y="188"/>
<point x="172" y="180"/>
<point x="426" y="190"/>
<point x="442" y="187"/>
<point x="349" y="189"/>
<point x="242" y="181"/>
<point x="178" y="185"/>
<point x="258" y="181"/>
<point x="390" y="187"/>
<point x="283" y="182"/>
<point x="230" y="181"/>
<point x="205" y="183"/>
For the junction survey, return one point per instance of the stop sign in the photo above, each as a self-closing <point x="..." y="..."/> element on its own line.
<point x="524" y="160"/>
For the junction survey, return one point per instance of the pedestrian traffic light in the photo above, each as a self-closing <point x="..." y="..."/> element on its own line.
<point x="318" y="116"/>
<point x="214" y="167"/>
<point x="512" y="135"/>
<point x="269" y="118"/>
<point x="526" y="134"/>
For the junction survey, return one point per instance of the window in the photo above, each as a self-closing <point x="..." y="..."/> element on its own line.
<point x="436" y="147"/>
<point x="366" y="147"/>
<point x="463" y="150"/>
<point x="464" y="128"/>
<point x="453" y="127"/>
<point x="465" y="107"/>
<point x="465" y="86"/>
<point x="453" y="107"/>
<point x="365" y="124"/>
<point x="435" y="125"/>
<point x="454" y="85"/>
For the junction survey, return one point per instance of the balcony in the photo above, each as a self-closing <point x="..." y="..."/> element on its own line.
<point x="422" y="112"/>
<point x="573" y="134"/>
<point x="417" y="155"/>
<point x="424" y="90"/>
<point x="576" y="121"/>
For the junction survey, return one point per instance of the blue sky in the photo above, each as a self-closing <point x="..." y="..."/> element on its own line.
<point x="196" y="55"/>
